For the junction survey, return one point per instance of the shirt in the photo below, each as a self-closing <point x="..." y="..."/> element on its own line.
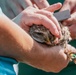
<point x="8" y="66"/>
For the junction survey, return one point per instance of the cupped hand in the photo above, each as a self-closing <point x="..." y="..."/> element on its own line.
<point x="32" y="16"/>
<point x="49" y="59"/>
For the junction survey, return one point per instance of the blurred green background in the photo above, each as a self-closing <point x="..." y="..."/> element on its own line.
<point x="28" y="70"/>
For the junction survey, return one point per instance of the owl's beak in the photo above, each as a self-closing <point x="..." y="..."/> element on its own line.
<point x="48" y="41"/>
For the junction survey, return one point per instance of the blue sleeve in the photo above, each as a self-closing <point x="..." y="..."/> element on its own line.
<point x="7" y="66"/>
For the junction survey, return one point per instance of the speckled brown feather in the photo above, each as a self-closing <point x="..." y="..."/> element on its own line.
<point x="43" y="35"/>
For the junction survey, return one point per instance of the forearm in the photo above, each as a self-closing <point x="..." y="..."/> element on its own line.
<point x="14" y="42"/>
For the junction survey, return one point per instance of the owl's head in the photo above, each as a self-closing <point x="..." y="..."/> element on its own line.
<point x="41" y="34"/>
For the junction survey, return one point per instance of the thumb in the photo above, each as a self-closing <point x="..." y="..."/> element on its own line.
<point x="71" y="20"/>
<point x="53" y="7"/>
<point x="65" y="6"/>
<point x="68" y="4"/>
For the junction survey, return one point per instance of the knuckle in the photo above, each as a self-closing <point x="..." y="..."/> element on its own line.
<point x="42" y="18"/>
<point x="49" y="15"/>
<point x="24" y="13"/>
<point x="57" y="71"/>
<point x="54" y="71"/>
<point x="48" y="70"/>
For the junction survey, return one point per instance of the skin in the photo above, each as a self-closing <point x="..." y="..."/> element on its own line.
<point x="16" y="43"/>
<point x="17" y="4"/>
<point x="71" y="22"/>
<point x="47" y="19"/>
<point x="26" y="50"/>
<point x="20" y="5"/>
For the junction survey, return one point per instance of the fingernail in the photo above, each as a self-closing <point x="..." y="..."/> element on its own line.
<point x="56" y="41"/>
<point x="57" y="33"/>
<point x="64" y="23"/>
<point x="60" y="34"/>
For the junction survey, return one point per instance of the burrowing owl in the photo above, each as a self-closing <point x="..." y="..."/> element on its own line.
<point x="42" y="35"/>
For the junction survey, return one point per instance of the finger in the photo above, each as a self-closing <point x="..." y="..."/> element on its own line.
<point x="72" y="30"/>
<point x="69" y="4"/>
<point x="52" y="18"/>
<point x="71" y="20"/>
<point x="41" y="3"/>
<point x="40" y="19"/>
<point x="71" y="49"/>
<point x="54" y="7"/>
<point x="65" y="6"/>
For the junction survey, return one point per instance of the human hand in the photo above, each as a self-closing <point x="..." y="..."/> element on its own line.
<point x="13" y="7"/>
<point x="32" y="16"/>
<point x="69" y="4"/>
<point x="49" y="59"/>
<point x="16" y="43"/>
<point x="71" y="22"/>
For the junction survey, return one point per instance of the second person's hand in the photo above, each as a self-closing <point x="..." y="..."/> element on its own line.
<point x="71" y="22"/>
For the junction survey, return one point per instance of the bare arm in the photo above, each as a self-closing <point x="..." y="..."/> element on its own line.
<point x="13" y="39"/>
<point x="16" y="43"/>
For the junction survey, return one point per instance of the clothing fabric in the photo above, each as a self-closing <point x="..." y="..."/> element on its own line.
<point x="24" y="69"/>
<point x="7" y="65"/>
